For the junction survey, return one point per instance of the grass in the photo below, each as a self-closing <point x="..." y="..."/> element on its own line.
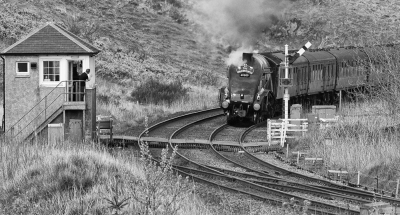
<point x="365" y="139"/>
<point x="113" y="99"/>
<point x="73" y="179"/>
<point x="68" y="178"/>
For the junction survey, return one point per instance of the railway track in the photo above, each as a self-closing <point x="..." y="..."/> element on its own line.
<point x="203" y="172"/>
<point x="207" y="175"/>
<point x="350" y="191"/>
<point x="268" y="181"/>
<point x="260" y="176"/>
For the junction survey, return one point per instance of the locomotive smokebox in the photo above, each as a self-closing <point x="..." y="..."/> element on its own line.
<point x="247" y="57"/>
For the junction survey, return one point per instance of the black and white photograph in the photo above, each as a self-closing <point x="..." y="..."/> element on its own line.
<point x="199" y="107"/>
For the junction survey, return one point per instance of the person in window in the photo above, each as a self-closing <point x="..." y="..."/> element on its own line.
<point x="83" y="77"/>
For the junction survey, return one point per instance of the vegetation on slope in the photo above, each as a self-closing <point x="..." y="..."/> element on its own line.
<point x="159" y="40"/>
<point x="80" y="179"/>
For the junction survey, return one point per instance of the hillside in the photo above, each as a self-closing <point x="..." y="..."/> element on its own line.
<point x="324" y="23"/>
<point x="138" y="41"/>
<point x="189" y="41"/>
<point x="175" y="50"/>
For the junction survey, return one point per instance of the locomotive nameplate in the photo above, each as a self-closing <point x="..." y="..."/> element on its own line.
<point x="245" y="69"/>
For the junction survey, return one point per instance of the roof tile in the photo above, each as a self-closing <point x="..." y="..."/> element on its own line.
<point x="51" y="39"/>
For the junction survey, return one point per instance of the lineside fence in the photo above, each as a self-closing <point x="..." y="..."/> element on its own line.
<point x="302" y="161"/>
<point x="278" y="131"/>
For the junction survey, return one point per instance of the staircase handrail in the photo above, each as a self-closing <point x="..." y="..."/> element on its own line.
<point x="38" y="115"/>
<point x="58" y="85"/>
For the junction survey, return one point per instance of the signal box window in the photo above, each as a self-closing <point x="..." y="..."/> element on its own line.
<point x="51" y="71"/>
<point x="22" y="68"/>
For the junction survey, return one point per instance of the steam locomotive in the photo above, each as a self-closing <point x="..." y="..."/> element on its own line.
<point x="254" y="89"/>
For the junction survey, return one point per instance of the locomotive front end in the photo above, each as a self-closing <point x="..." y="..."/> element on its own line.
<point x="240" y="99"/>
<point x="249" y="94"/>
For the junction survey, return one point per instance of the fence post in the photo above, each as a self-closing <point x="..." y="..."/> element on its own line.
<point x="302" y="129"/>
<point x="281" y="134"/>
<point x="298" y="157"/>
<point x="358" y="178"/>
<point x="269" y="131"/>
<point x="397" y="188"/>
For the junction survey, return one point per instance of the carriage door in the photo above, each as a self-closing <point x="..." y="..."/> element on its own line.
<point x="324" y="77"/>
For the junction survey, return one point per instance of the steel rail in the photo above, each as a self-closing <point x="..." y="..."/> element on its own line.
<point x="153" y="127"/>
<point x="272" y="181"/>
<point x="322" y="207"/>
<point x="325" y="183"/>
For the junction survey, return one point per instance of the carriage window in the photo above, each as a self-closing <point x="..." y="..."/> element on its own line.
<point x="320" y="74"/>
<point x="328" y="71"/>
<point x="314" y="73"/>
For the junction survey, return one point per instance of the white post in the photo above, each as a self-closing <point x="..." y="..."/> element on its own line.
<point x="298" y="157"/>
<point x="286" y="89"/>
<point x="340" y="100"/>
<point x="269" y="131"/>
<point x="286" y="94"/>
<point x="283" y="133"/>
<point x="287" y="150"/>
<point x="397" y="188"/>
<point x="358" y="178"/>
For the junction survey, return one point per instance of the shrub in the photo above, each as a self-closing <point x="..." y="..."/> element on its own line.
<point x="156" y="92"/>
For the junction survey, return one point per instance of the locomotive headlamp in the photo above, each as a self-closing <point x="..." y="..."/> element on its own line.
<point x="225" y="104"/>
<point x="256" y="106"/>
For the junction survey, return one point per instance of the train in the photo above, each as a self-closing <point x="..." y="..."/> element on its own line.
<point x="254" y="91"/>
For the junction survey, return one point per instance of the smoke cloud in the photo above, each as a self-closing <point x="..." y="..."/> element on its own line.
<point x="235" y="57"/>
<point x="237" y="23"/>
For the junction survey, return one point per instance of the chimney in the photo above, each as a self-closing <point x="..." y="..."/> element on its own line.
<point x="247" y="57"/>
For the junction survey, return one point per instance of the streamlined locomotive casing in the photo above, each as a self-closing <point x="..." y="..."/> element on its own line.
<point x="253" y="92"/>
<point x="248" y="86"/>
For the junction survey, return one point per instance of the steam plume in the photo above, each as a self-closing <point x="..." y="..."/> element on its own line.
<point x="238" y="23"/>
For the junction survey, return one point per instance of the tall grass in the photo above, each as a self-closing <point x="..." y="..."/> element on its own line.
<point x="115" y="100"/>
<point x="70" y="178"/>
<point x="154" y="91"/>
<point x="365" y="139"/>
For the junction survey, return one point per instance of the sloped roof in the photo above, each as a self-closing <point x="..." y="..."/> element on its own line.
<point x="50" y="39"/>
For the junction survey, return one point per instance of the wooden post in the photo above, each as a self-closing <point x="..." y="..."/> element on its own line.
<point x="287" y="150"/>
<point x="269" y="131"/>
<point x="397" y="188"/>
<point x="340" y="100"/>
<point x="298" y="157"/>
<point x="358" y="178"/>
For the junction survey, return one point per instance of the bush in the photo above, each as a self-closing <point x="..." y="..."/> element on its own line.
<point x="155" y="92"/>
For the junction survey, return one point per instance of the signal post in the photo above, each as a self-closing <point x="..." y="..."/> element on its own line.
<point x="287" y="81"/>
